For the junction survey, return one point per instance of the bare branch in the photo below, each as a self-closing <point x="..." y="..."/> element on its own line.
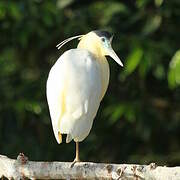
<point x="21" y="168"/>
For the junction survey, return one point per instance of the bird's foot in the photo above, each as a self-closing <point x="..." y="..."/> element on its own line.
<point x="76" y="160"/>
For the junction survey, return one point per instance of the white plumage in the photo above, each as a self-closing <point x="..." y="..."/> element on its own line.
<point x="73" y="93"/>
<point x="76" y="85"/>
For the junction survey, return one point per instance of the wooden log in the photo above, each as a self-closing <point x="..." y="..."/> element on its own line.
<point x="22" y="168"/>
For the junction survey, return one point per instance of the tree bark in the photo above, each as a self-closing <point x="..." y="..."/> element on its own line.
<point x="22" y="168"/>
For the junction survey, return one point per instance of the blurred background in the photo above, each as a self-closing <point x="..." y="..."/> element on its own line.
<point x="139" y="118"/>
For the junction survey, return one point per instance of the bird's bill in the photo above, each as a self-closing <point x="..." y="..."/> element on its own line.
<point x="114" y="56"/>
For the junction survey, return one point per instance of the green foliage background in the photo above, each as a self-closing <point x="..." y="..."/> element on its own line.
<point x="139" y="118"/>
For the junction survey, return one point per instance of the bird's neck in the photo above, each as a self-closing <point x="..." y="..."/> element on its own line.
<point x="91" y="44"/>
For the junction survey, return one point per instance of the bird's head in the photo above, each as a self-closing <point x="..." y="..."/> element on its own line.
<point x="105" y="39"/>
<point x="98" y="42"/>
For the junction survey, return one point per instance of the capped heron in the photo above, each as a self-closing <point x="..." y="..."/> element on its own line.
<point x="76" y="84"/>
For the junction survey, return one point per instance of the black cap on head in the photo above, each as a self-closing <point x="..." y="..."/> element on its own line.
<point x="102" y="33"/>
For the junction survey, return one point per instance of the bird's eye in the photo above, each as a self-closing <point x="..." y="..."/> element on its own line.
<point x="103" y="39"/>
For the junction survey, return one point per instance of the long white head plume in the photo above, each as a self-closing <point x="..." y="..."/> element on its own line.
<point x="67" y="40"/>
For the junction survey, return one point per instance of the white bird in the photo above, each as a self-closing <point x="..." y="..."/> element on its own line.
<point x="76" y="84"/>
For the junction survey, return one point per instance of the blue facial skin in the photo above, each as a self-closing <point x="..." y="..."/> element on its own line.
<point x="105" y="37"/>
<point x="106" y="42"/>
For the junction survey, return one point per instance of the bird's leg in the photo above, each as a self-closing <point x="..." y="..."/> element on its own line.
<point x="77" y="152"/>
<point x="77" y="159"/>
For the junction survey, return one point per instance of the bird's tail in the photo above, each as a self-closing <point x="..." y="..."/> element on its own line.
<point x="68" y="138"/>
